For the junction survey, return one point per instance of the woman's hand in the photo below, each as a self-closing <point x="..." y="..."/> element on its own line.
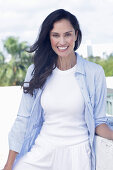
<point x="104" y="131"/>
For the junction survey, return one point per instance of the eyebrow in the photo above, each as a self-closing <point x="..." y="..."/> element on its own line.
<point x="58" y="33"/>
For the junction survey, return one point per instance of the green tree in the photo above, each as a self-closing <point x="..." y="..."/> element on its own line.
<point x="14" y="71"/>
<point x="2" y="68"/>
<point x="107" y="64"/>
<point x="2" y="58"/>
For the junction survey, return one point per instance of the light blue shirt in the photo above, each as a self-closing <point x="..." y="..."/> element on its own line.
<point x="29" y="121"/>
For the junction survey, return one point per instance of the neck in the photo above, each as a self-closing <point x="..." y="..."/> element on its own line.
<point x="65" y="63"/>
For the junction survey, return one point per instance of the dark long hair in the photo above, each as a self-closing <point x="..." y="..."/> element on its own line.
<point x="45" y="59"/>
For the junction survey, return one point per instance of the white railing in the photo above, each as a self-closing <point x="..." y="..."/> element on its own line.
<point x="109" y="105"/>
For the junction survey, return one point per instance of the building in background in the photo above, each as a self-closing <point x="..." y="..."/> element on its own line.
<point x="101" y="50"/>
<point x="89" y="49"/>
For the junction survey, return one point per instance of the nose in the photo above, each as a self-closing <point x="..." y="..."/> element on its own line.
<point x="62" y="40"/>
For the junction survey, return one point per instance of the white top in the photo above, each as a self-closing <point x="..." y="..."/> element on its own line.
<point x="63" y="106"/>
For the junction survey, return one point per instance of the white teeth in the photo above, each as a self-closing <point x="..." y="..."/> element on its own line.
<point x="62" y="48"/>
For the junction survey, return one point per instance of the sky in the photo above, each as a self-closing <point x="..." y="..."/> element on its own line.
<point x="23" y="18"/>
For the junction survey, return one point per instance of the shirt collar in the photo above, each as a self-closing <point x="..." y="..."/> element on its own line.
<point x="80" y="64"/>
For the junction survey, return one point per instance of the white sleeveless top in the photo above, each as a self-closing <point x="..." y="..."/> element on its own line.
<point x="63" y="106"/>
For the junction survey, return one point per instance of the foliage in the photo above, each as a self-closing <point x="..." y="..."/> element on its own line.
<point x="13" y="72"/>
<point x="2" y="58"/>
<point x="107" y="64"/>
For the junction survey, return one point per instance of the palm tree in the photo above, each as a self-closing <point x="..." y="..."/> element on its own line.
<point x="20" y="60"/>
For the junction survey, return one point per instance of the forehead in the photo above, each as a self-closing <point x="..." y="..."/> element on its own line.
<point x="62" y="24"/>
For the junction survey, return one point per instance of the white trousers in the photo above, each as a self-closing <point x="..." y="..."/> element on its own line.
<point x="46" y="156"/>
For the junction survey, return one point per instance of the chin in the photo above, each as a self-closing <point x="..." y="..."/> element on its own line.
<point x="62" y="55"/>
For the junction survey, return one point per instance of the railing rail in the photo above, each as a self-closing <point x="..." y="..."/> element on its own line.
<point x="109" y="102"/>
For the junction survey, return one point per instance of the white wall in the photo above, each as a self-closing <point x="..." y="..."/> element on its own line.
<point x="109" y="81"/>
<point x="104" y="154"/>
<point x="9" y="102"/>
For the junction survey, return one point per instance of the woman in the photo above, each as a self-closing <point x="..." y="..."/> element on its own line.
<point x="63" y="103"/>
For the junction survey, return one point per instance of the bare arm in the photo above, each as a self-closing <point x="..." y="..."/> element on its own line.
<point x="10" y="160"/>
<point x="104" y="131"/>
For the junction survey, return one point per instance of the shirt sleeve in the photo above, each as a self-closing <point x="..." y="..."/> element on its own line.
<point x="18" y="130"/>
<point x="26" y="100"/>
<point x="100" y="98"/>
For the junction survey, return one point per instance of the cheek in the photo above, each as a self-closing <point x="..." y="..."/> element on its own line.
<point x="72" y="42"/>
<point x="53" y="42"/>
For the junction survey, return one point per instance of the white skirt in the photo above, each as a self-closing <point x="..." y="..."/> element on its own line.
<point x="47" y="156"/>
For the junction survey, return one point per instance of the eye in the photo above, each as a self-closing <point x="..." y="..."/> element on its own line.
<point x="67" y="34"/>
<point x="55" y="35"/>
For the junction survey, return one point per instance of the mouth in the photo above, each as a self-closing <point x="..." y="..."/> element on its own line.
<point x="62" y="48"/>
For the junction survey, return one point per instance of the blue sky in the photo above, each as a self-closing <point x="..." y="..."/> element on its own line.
<point x="22" y="18"/>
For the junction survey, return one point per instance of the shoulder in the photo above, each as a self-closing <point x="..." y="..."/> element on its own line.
<point x="30" y="68"/>
<point x="29" y="72"/>
<point x="92" y="68"/>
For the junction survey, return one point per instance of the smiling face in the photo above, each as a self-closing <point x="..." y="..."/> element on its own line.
<point x="62" y="38"/>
